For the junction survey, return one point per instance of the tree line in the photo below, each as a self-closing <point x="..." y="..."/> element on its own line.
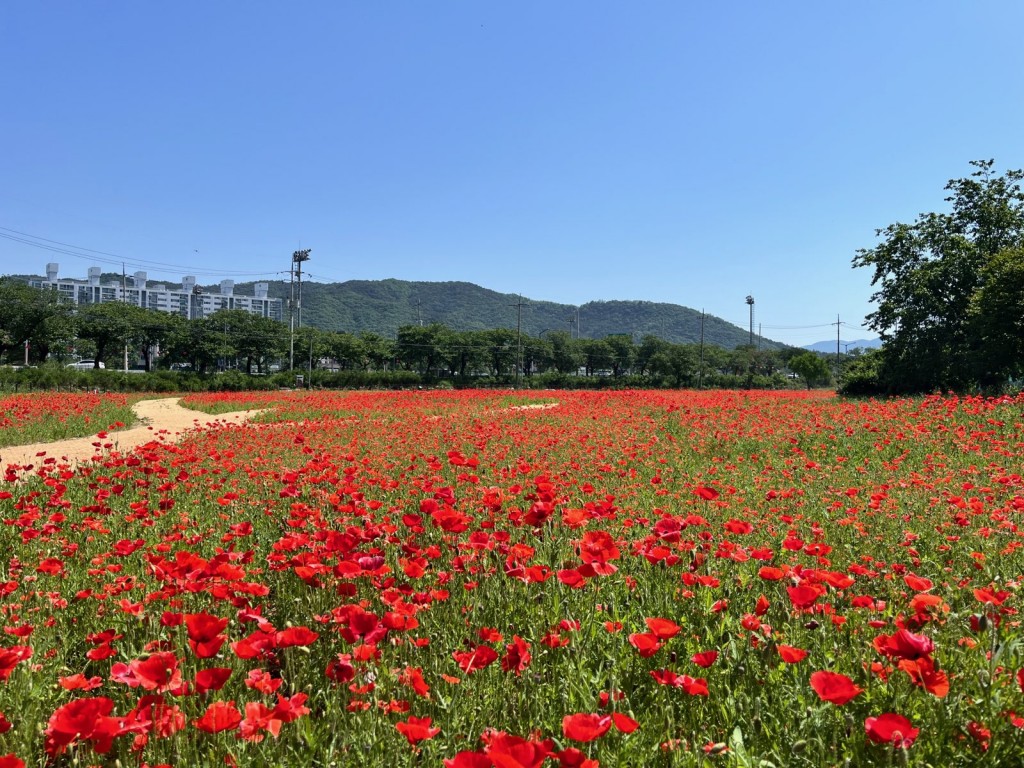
<point x="60" y="332"/>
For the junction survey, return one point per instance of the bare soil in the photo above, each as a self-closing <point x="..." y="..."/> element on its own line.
<point x="163" y="420"/>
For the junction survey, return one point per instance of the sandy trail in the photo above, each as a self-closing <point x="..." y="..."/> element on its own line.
<point x="164" y="420"/>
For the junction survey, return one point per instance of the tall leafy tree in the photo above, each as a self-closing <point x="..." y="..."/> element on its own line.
<point x="40" y="318"/>
<point x="997" y="317"/>
<point x="422" y="346"/>
<point x="926" y="274"/>
<point x="111" y="326"/>
<point x="623" y="352"/>
<point x="812" y="368"/>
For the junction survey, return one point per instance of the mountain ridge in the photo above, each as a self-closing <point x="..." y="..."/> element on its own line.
<point x="383" y="306"/>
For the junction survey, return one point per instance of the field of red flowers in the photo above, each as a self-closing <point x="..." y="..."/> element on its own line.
<point x="58" y="415"/>
<point x="497" y="579"/>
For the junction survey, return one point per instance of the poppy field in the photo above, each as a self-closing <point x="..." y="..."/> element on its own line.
<point x="476" y="579"/>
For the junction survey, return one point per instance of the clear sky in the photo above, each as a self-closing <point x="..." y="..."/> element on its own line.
<point x="568" y="150"/>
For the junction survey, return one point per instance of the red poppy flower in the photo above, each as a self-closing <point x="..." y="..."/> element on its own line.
<point x="904" y="645"/>
<point x="704" y="659"/>
<point x="219" y="716"/>
<point x="11" y="657"/>
<point x="295" y="636"/>
<point x="477" y="659"/>
<point x="663" y="629"/>
<point x="506" y="750"/>
<point x="924" y="674"/>
<point x="10" y="760"/>
<point x="469" y="760"/>
<point x="204" y="633"/>
<point x="212" y="679"/>
<point x="804" y="596"/>
<point x="85" y="720"/>
<point x="834" y="687"/>
<point x="708" y="494"/>
<point x="585" y="727"/>
<point x="892" y="729"/>
<point x="646" y="643"/>
<point x="598" y="547"/>
<point x="917" y="583"/>
<point x="624" y="723"/>
<point x="791" y="655"/>
<point x="517" y="656"/>
<point x="694" y="686"/>
<point x="417" y="729"/>
<point x="79" y="682"/>
<point x="413" y="677"/>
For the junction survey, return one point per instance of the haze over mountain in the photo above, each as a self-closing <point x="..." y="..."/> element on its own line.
<point x="829" y="345"/>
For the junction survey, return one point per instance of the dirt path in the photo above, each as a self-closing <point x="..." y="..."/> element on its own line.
<point x="163" y="419"/>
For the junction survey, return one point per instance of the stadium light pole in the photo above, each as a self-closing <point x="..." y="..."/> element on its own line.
<point x="298" y="257"/>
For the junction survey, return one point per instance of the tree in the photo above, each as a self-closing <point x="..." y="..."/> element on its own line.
<point x="997" y="317"/>
<point x="565" y="352"/>
<point x="677" y="362"/>
<point x="422" y="346"/>
<point x="623" y="352"/>
<point x="927" y="274"/>
<point x="154" y="332"/>
<point x="597" y="355"/>
<point x="377" y="351"/>
<point x="812" y="368"/>
<point x="30" y="315"/>
<point x="111" y="326"/>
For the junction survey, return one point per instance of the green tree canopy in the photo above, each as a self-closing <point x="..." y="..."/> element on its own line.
<point x="927" y="274"/>
<point x="30" y="315"/>
<point x="812" y="368"/>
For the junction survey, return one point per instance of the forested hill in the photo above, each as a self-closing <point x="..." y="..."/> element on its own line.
<point x="383" y="306"/>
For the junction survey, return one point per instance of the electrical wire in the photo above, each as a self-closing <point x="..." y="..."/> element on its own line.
<point x="98" y="256"/>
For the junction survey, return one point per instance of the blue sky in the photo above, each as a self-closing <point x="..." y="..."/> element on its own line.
<point x="571" y="151"/>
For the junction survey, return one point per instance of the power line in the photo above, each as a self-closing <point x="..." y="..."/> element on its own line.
<point x="104" y="257"/>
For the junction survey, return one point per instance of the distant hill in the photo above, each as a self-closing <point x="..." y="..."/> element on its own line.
<point x="830" y="346"/>
<point x="383" y="306"/>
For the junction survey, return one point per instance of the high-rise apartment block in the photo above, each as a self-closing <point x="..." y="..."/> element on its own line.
<point x="189" y="301"/>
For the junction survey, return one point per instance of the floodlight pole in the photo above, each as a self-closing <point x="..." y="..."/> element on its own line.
<point x="295" y="307"/>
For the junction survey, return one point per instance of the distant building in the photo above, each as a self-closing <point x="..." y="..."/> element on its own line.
<point x="189" y="301"/>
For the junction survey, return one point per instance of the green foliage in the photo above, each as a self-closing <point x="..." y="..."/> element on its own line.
<point x="812" y="368"/>
<point x="863" y="374"/>
<point x="38" y="317"/>
<point x="384" y="306"/>
<point x="938" y="287"/>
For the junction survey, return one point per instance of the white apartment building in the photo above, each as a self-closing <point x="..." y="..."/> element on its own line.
<point x="189" y="301"/>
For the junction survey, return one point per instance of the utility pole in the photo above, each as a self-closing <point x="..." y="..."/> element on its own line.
<point x="519" y="335"/>
<point x="291" y="315"/>
<point x="124" y="299"/>
<point x="837" y="349"/>
<point x="700" y="371"/>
